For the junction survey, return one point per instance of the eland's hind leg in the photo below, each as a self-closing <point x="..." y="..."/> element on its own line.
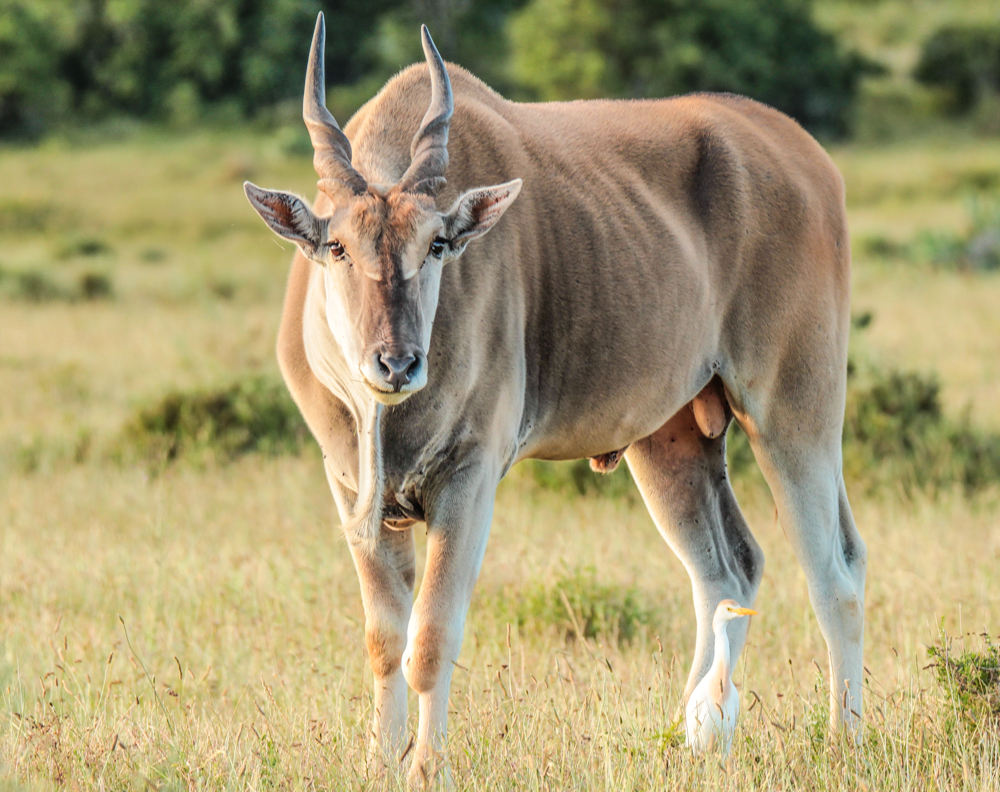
<point x="804" y="472"/>
<point x="792" y="409"/>
<point x="681" y="474"/>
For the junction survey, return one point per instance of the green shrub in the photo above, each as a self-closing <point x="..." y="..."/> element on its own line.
<point x="253" y="415"/>
<point x="576" y="605"/>
<point x="881" y="247"/>
<point x="35" y="286"/>
<point x="152" y="255"/>
<point x="970" y="679"/>
<point x="81" y="246"/>
<point x="223" y="289"/>
<point x="975" y="248"/>
<point x="897" y="436"/>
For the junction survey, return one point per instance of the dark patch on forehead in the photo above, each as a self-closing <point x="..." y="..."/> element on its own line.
<point x="388" y="220"/>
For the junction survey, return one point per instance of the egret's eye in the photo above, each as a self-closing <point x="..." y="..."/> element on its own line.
<point x="336" y="249"/>
<point x="437" y="247"/>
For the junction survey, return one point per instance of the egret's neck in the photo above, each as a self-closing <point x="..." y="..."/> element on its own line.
<point x="722" y="663"/>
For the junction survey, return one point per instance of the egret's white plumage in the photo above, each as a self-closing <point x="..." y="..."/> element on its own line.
<point x="714" y="705"/>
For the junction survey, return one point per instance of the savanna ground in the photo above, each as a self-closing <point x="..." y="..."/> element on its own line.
<point x="198" y="624"/>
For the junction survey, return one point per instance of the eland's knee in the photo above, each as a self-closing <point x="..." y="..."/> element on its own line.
<point x="386" y="644"/>
<point x="425" y="657"/>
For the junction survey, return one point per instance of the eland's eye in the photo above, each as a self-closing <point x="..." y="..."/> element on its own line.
<point x="336" y="249"/>
<point x="437" y="247"/>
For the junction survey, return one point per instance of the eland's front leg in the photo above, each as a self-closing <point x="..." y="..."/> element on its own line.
<point x="458" y="526"/>
<point x="386" y="572"/>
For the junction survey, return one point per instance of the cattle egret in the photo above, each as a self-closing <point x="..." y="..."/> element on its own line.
<point x="711" y="712"/>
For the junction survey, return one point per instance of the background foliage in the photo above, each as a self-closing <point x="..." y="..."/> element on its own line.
<point x="965" y="61"/>
<point x="768" y="49"/>
<point x="63" y="61"/>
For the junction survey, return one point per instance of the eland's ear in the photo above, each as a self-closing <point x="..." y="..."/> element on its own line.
<point x="477" y="211"/>
<point x="288" y="216"/>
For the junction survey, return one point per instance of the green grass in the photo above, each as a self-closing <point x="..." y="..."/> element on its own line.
<point x="240" y="599"/>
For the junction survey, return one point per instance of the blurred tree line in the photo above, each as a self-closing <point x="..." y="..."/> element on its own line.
<point x="185" y="61"/>
<point x="964" y="61"/>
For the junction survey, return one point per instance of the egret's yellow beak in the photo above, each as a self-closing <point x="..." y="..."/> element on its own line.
<point x="743" y="611"/>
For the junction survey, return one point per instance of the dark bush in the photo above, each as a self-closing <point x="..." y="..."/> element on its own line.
<point x="152" y="255"/>
<point x="964" y="60"/>
<point x="95" y="286"/>
<point x="223" y="289"/>
<point x="254" y="415"/>
<point x="975" y="248"/>
<point x="31" y="91"/>
<point x="81" y="246"/>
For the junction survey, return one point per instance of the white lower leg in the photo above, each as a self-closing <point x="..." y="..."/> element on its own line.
<point x="429" y="752"/>
<point x="846" y="665"/>
<point x="840" y="611"/>
<point x="389" y="720"/>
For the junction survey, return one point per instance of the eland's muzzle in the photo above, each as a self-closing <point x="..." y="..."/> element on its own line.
<point x="398" y="371"/>
<point x="395" y="373"/>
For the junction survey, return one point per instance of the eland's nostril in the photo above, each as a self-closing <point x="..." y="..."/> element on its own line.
<point x="398" y="370"/>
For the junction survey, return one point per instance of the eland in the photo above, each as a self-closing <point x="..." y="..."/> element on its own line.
<point x="481" y="281"/>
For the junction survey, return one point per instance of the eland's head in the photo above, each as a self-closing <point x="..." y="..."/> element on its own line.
<point x="382" y="247"/>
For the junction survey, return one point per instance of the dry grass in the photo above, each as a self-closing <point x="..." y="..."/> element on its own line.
<point x="247" y="667"/>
